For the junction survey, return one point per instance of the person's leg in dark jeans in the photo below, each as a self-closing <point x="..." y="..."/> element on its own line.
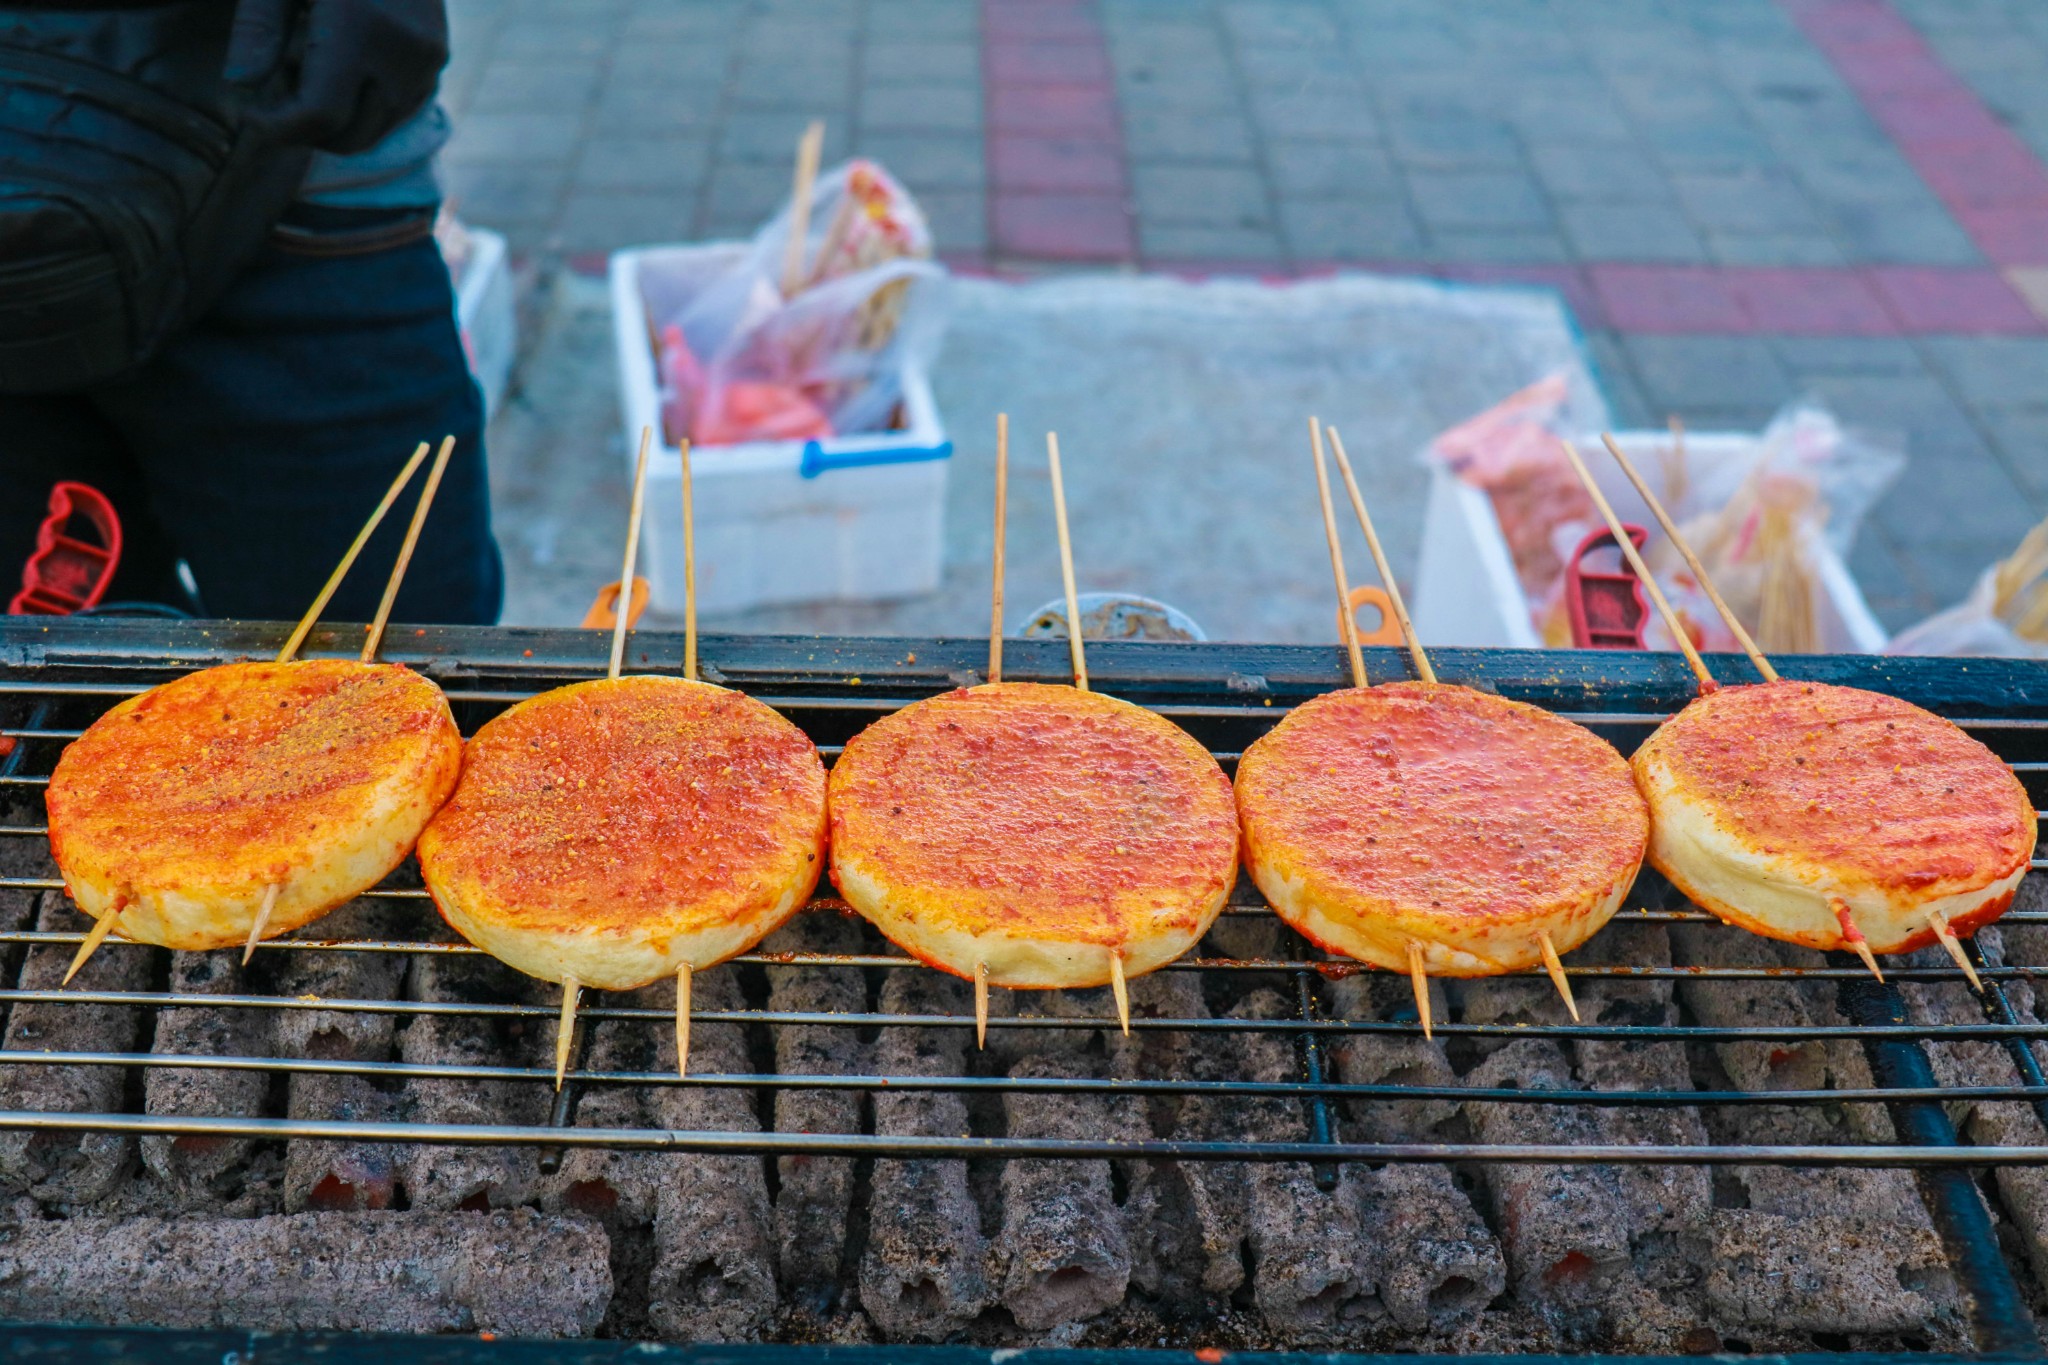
<point x="266" y="435"/>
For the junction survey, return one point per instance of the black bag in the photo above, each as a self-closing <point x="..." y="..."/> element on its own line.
<point x="132" y="186"/>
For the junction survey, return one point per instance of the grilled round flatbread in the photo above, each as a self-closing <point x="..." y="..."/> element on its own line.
<point x="1776" y="806"/>
<point x="1441" y="816"/>
<point x="1038" y="830"/>
<point x="614" y="831"/>
<point x="183" y="805"/>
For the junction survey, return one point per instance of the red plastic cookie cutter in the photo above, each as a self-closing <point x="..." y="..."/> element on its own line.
<point x="67" y="573"/>
<point x="1607" y="610"/>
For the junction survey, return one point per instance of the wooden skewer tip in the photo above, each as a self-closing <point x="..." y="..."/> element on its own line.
<point x="683" y="1020"/>
<point x="1347" y="626"/>
<point x="1947" y="936"/>
<point x="101" y="927"/>
<point x="1402" y="619"/>
<point x="565" y="1027"/>
<point x="326" y="594"/>
<point x="981" y="1005"/>
<point x="1119" y="988"/>
<point x="1557" y="976"/>
<point x="262" y="920"/>
<point x="1420" y="980"/>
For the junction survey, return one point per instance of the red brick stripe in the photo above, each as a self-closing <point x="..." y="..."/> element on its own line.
<point x="1989" y="179"/>
<point x="1058" y="190"/>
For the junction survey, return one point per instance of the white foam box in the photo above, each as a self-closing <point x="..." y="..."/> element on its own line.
<point x="484" y="312"/>
<point x="850" y="518"/>
<point x="1467" y="592"/>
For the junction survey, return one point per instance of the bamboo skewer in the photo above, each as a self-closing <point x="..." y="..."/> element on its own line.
<point x="1424" y="671"/>
<point x="623" y="615"/>
<point x="995" y="603"/>
<point x="683" y="1020"/>
<point x="981" y="1005"/>
<point x="1379" y="560"/>
<point x="1692" y="561"/>
<point x="1938" y="922"/>
<point x="1556" y="970"/>
<point x="412" y="539"/>
<point x="262" y="920"/>
<point x="1059" y="511"/>
<point x="97" y="935"/>
<point x="1420" y="980"/>
<point x="808" y="148"/>
<point x="1642" y="570"/>
<point x="689" y="565"/>
<point x="1349" y="626"/>
<point x="565" y="1027"/>
<point x="312" y="616"/>
<point x="1851" y="935"/>
<point x="1119" y="988"/>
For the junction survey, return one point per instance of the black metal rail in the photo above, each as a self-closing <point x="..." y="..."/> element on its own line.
<point x="55" y="677"/>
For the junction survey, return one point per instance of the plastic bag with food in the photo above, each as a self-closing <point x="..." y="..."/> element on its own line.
<point x="2005" y="616"/>
<point x="807" y="340"/>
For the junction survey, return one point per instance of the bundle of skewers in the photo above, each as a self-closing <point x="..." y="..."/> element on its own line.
<point x="639" y="828"/>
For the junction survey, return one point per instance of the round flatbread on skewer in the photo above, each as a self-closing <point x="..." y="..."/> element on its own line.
<point x="615" y="831"/>
<point x="1442" y="817"/>
<point x="1038" y="831"/>
<point x="182" y="807"/>
<point x="1784" y="807"/>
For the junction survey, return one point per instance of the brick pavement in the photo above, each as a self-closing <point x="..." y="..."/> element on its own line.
<point x="1742" y="199"/>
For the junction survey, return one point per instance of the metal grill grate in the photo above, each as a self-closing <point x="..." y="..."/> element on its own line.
<point x="54" y="678"/>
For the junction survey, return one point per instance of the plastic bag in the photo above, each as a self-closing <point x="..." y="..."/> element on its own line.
<point x="1752" y="515"/>
<point x="2005" y="616"/>
<point x="781" y="347"/>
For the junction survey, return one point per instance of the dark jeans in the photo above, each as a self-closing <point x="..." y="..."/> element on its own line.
<point x="255" y="446"/>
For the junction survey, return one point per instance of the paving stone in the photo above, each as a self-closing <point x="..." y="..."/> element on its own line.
<point x="1764" y="200"/>
<point x="958" y="220"/>
<point x="1994" y="371"/>
<point x="1615" y="373"/>
<point x="1215" y="196"/>
<point x="645" y="164"/>
<point x="1061" y="227"/>
<point x="1584" y="116"/>
<point x="1200" y="242"/>
<point x="516" y="138"/>
<point x="669" y="65"/>
<point x="921" y="109"/>
<point x="1630" y="232"/>
<point x="1691" y="146"/>
<point x="928" y="161"/>
<point x="2020" y="435"/>
<point x="606" y="220"/>
<point x="1815" y="249"/>
<point x="770" y="136"/>
<point x="1918" y="410"/>
<point x="1177" y="89"/>
<point x="1070" y="164"/>
<point x="1955" y="516"/>
<point x="1156" y="134"/>
<point x="518" y="86"/>
<point x="1601" y="174"/>
<point x="1254" y="23"/>
<point x="1318" y="111"/>
<point x="1284" y="66"/>
<point x="1478" y="199"/>
<point x="914" y="63"/>
<point x="546" y="38"/>
<point x="1685" y="373"/>
<point x="912" y="20"/>
<point x="1361" y="229"/>
<point x="742" y="192"/>
<point x="1331" y="168"/>
<point x="505" y="194"/>
<point x="1530" y="246"/>
<point x="1901" y="234"/>
<point x="1806" y="357"/>
<point x="651" y="110"/>
<point x="1454" y="143"/>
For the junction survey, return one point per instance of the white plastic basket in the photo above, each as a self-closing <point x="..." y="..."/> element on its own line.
<point x="483" y="310"/>
<point x="1467" y="593"/>
<point x="851" y="518"/>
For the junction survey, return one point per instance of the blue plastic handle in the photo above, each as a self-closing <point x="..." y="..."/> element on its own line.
<point x="816" y="461"/>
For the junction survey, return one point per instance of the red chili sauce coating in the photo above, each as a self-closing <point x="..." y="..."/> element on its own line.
<point x="1874" y="788"/>
<point x="615" y="802"/>
<point x="1058" y="813"/>
<point x="232" y="762"/>
<point x="1443" y="800"/>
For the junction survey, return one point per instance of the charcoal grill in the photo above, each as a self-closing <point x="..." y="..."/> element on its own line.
<point x="55" y="676"/>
